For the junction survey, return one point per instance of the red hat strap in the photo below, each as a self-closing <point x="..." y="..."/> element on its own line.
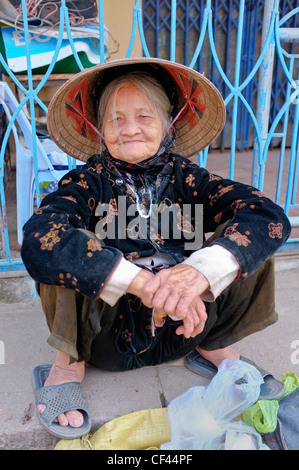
<point x="76" y="108"/>
<point x="191" y="91"/>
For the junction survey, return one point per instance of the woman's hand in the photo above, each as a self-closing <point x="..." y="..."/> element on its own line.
<point x="139" y="285"/>
<point x="194" y="320"/>
<point x="175" y="291"/>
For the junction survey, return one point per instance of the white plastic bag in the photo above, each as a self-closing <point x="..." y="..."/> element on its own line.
<point x="240" y="436"/>
<point x="207" y="417"/>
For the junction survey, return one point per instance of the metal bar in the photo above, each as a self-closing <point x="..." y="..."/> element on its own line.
<point x="173" y="30"/>
<point x="292" y="159"/>
<point x="294" y="221"/>
<point x="64" y="20"/>
<point x="12" y="265"/>
<point x="141" y="31"/>
<point x="137" y="20"/>
<point x="290" y="14"/>
<point x="157" y="29"/>
<point x="236" y="87"/>
<point x="264" y="91"/>
<point x="207" y="12"/>
<point x="186" y="40"/>
<point x="134" y="27"/>
<point x="289" y="34"/>
<point x="31" y="96"/>
<point x="4" y="220"/>
<point x="102" y="31"/>
<point x="283" y="141"/>
<point x="296" y="173"/>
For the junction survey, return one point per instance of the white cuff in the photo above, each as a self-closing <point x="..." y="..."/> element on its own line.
<point x="119" y="282"/>
<point x="219" y="267"/>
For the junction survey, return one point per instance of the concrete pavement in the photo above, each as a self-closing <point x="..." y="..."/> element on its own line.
<point x="23" y="335"/>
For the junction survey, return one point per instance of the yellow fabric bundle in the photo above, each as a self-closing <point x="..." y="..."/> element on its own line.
<point x="141" y="430"/>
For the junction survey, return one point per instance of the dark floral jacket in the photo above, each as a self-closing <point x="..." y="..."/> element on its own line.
<point x="56" y="252"/>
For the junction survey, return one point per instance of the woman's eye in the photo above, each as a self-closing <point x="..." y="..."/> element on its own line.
<point x="145" y="116"/>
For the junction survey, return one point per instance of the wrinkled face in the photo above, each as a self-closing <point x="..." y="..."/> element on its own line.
<point x="133" y="129"/>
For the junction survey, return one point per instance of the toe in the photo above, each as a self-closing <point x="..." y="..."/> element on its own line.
<point x="74" y="418"/>
<point x="62" y="419"/>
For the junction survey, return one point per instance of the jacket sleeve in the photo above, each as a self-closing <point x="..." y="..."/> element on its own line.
<point x="255" y="227"/>
<point x="57" y="248"/>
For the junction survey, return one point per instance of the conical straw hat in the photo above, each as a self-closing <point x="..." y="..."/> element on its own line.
<point x="72" y="113"/>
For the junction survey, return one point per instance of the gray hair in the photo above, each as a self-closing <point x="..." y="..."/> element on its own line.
<point x="148" y="85"/>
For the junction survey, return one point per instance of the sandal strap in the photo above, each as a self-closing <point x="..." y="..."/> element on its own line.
<point x="262" y="371"/>
<point x="59" y="399"/>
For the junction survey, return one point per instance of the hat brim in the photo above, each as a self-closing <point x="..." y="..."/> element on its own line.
<point x="190" y="139"/>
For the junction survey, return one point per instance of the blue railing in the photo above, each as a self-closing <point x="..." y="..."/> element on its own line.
<point x="190" y="23"/>
<point x="237" y="91"/>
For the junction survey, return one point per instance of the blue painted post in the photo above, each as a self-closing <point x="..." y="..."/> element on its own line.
<point x="102" y="31"/>
<point x="173" y="30"/>
<point x="264" y="91"/>
<point x="292" y="184"/>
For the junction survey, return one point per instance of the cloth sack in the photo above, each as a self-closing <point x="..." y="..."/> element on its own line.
<point x="141" y="430"/>
<point x="219" y="408"/>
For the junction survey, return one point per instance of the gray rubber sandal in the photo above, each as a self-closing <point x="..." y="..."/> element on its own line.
<point x="271" y="389"/>
<point x="58" y="399"/>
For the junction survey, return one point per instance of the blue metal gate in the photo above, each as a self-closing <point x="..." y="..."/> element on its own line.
<point x="189" y="23"/>
<point x="242" y="46"/>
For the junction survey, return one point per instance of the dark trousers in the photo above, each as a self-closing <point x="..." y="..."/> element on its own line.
<point x="86" y="329"/>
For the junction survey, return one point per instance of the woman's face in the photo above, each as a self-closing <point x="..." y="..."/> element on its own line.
<point x="133" y="130"/>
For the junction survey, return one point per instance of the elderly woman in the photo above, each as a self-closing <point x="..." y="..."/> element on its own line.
<point x="119" y="253"/>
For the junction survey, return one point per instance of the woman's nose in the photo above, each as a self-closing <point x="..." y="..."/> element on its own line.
<point x="130" y="127"/>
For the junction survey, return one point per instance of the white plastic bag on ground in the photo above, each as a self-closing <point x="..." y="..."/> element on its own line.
<point x="208" y="417"/>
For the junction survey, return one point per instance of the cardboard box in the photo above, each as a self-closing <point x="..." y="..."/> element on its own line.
<point x="42" y="48"/>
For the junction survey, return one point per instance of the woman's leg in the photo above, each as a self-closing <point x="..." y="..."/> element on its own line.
<point x="217" y="356"/>
<point x="63" y="372"/>
<point x="73" y="321"/>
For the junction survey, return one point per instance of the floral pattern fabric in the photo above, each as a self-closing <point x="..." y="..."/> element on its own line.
<point x="55" y="251"/>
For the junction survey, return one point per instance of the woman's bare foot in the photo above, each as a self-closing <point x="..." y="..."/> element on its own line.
<point x="62" y="372"/>
<point x="217" y="356"/>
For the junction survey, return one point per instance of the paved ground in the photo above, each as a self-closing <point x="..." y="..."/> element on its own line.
<point x="23" y="335"/>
